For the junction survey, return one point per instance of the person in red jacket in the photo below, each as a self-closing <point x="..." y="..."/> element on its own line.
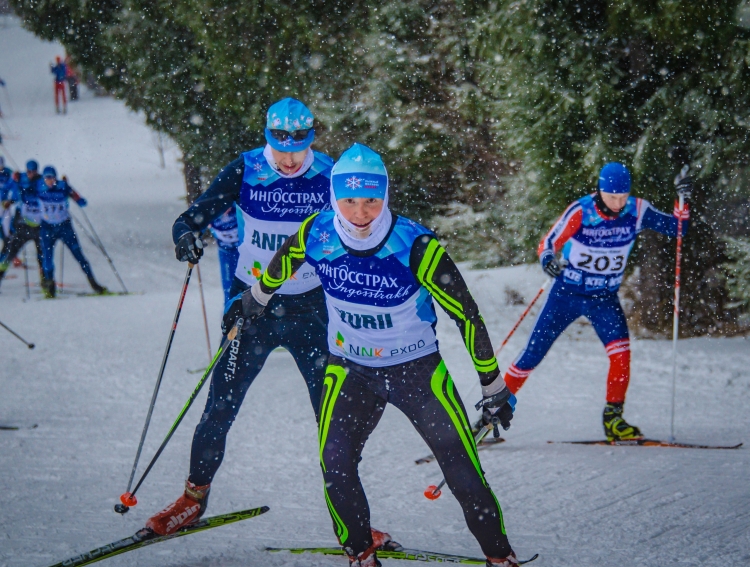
<point x="60" y="71"/>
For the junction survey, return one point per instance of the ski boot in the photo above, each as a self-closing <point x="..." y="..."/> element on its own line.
<point x="368" y="558"/>
<point x="615" y="427"/>
<point x="509" y="561"/>
<point x="186" y="510"/>
<point x="98" y="289"/>
<point x="48" y="288"/>
<point x="383" y="541"/>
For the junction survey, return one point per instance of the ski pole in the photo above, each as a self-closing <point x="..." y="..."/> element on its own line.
<point x="676" y="318"/>
<point x="62" y="268"/>
<point x="19" y="337"/>
<point x="26" y="273"/>
<point x="161" y="373"/>
<point x="433" y="492"/>
<point x="203" y="305"/>
<point x="128" y="499"/>
<point x="520" y="320"/>
<point x="103" y="250"/>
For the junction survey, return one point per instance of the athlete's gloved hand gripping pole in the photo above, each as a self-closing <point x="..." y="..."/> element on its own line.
<point x="128" y="499"/>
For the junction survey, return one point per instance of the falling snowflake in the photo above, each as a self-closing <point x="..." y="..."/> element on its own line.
<point x="354" y="183"/>
<point x="324" y="236"/>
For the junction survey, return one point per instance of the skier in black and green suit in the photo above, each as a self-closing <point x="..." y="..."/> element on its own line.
<point x="379" y="273"/>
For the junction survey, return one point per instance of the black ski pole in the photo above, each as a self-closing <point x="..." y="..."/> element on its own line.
<point x="62" y="268"/>
<point x="26" y="273"/>
<point x="19" y="337"/>
<point x="161" y="374"/>
<point x="128" y="499"/>
<point x="103" y="250"/>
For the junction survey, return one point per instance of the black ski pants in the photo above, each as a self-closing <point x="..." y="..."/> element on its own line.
<point x="23" y="233"/>
<point x="296" y="322"/>
<point x="354" y="398"/>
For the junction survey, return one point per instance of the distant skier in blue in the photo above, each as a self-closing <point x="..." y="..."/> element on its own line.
<point x="24" y="191"/>
<point x="225" y="231"/>
<point x="56" y="225"/>
<point x="6" y="186"/>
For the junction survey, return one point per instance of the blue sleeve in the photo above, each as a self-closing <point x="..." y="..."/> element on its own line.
<point x="220" y="195"/>
<point x="654" y="219"/>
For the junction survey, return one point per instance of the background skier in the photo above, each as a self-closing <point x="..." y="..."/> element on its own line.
<point x="59" y="71"/>
<point x="56" y="225"/>
<point x="595" y="234"/>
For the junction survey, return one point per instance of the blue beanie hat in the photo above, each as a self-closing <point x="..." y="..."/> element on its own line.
<point x="49" y="171"/>
<point x="614" y="178"/>
<point x="360" y="172"/>
<point x="32" y="165"/>
<point x="289" y="115"/>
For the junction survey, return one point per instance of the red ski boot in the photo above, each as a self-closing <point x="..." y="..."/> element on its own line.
<point x="186" y="510"/>
<point x="509" y="561"/>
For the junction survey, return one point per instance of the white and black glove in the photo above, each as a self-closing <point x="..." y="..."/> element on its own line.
<point x="684" y="185"/>
<point x="189" y="248"/>
<point x="497" y="405"/>
<point x="245" y="305"/>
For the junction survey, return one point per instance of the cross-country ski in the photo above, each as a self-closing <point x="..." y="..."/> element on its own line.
<point x="648" y="443"/>
<point x="400" y="553"/>
<point x="145" y="537"/>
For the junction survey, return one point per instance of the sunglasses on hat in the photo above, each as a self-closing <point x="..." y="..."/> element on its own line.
<point x="297" y="135"/>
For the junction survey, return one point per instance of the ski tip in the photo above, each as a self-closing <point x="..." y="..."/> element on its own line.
<point x="264" y="509"/>
<point x="532" y="558"/>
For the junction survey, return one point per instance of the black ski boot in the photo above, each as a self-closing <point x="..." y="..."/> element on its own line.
<point x="615" y="427"/>
<point x="98" y="289"/>
<point x="48" y="288"/>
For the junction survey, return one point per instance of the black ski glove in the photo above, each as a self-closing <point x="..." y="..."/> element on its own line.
<point x="245" y="306"/>
<point x="684" y="188"/>
<point x="551" y="266"/>
<point x="189" y="248"/>
<point x="498" y="408"/>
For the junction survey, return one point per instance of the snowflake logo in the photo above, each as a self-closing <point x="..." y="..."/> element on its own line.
<point x="354" y="183"/>
<point x="287" y="142"/>
<point x="324" y="236"/>
<point x="258" y="167"/>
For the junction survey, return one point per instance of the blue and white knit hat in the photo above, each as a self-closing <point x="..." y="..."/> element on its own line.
<point x="289" y="115"/>
<point x="359" y="172"/>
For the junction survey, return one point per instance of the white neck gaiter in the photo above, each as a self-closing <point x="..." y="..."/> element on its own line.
<point x="354" y="238"/>
<point x="309" y="158"/>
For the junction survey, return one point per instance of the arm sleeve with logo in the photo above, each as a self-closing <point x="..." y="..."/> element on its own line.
<point x="565" y="227"/>
<point x="434" y="269"/>
<point x="653" y="219"/>
<point x="287" y="259"/>
<point x="223" y="192"/>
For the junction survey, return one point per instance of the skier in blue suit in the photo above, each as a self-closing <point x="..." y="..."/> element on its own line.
<point x="56" y="225"/>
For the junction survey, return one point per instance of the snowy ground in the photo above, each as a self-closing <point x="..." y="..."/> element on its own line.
<point x="88" y="383"/>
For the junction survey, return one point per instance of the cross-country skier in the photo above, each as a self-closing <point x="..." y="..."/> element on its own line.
<point x="274" y="188"/>
<point x="595" y="235"/>
<point x="226" y="233"/>
<point x="6" y="188"/>
<point x="380" y="273"/>
<point x="59" y="71"/>
<point x="28" y="216"/>
<point x="56" y="225"/>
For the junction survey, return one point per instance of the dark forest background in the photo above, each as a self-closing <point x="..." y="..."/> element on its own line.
<point x="491" y="115"/>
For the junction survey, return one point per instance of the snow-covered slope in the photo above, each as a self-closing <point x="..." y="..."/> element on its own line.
<point x="89" y="381"/>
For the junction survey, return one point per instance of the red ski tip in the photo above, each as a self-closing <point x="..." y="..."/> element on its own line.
<point x="128" y="499"/>
<point x="432" y="492"/>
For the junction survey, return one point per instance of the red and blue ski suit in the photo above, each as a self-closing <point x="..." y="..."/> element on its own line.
<point x="596" y="248"/>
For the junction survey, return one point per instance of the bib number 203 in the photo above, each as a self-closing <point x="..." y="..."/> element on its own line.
<point x="601" y="263"/>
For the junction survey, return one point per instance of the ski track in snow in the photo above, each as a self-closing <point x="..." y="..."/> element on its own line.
<point x="89" y="381"/>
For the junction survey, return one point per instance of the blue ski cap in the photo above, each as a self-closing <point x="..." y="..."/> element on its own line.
<point x="614" y="178"/>
<point x="359" y="173"/>
<point x="291" y="115"/>
<point x="49" y="171"/>
<point x="32" y="165"/>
